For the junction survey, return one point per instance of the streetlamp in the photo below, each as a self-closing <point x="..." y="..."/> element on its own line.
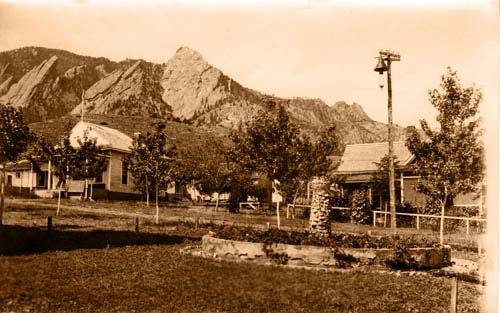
<point x="385" y="59"/>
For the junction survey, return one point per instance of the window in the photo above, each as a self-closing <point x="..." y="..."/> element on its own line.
<point x="18" y="175"/>
<point x="124" y="173"/>
<point x="98" y="178"/>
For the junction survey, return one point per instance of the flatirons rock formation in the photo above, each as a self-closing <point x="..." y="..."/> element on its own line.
<point x="48" y="83"/>
<point x="134" y="91"/>
<point x="42" y="94"/>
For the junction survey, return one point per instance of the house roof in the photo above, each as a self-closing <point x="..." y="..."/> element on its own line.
<point x="106" y="137"/>
<point x="363" y="157"/>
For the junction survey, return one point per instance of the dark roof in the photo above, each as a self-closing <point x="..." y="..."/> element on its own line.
<point x="363" y="157"/>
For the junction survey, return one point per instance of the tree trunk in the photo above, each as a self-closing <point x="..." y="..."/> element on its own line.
<point x="91" y="190"/>
<point x="59" y="199"/>
<point x="319" y="225"/>
<point x="147" y="192"/>
<point x="2" y="193"/>
<point x="157" y="207"/>
<point x="86" y="189"/>
<point x="278" y="221"/>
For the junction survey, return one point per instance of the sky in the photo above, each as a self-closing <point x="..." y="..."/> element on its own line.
<point x="308" y="48"/>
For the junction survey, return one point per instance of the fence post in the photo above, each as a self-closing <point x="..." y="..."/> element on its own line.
<point x="197" y="223"/>
<point x="374" y="218"/>
<point x="467" y="225"/>
<point x="268" y="225"/>
<point x="418" y="222"/>
<point x="137" y="224"/>
<point x="49" y="226"/>
<point x="454" y="291"/>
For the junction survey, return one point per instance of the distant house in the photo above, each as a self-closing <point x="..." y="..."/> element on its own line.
<point x="359" y="164"/>
<point x="114" y="183"/>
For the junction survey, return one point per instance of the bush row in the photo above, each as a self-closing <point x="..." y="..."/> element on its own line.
<point x="336" y="240"/>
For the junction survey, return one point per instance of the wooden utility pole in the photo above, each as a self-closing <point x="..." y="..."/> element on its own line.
<point x="386" y="57"/>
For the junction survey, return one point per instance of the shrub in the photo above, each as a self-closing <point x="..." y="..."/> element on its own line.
<point x="360" y="208"/>
<point x="406" y="221"/>
<point x="336" y="240"/>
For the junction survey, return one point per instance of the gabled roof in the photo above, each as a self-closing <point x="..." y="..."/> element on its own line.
<point x="107" y="138"/>
<point x="363" y="157"/>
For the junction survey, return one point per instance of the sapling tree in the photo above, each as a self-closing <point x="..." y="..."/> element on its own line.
<point x="269" y="145"/>
<point x="88" y="161"/>
<point x="14" y="138"/>
<point x="449" y="160"/>
<point x="63" y="158"/>
<point x="151" y="162"/>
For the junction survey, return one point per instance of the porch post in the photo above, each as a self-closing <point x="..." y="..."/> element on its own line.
<point x="108" y="185"/>
<point x="31" y="177"/>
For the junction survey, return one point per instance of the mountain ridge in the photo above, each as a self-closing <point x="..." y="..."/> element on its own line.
<point x="186" y="87"/>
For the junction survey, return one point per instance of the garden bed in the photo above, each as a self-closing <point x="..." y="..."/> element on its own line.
<point x="298" y="249"/>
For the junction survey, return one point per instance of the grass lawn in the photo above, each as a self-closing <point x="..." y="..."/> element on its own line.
<point x="182" y="211"/>
<point x="157" y="278"/>
<point x="94" y="262"/>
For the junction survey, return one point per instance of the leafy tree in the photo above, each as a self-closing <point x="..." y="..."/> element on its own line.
<point x="14" y="138"/>
<point x="151" y="162"/>
<point x="62" y="157"/>
<point x="270" y="145"/>
<point x="381" y="176"/>
<point x="88" y="161"/>
<point x="449" y="160"/>
<point x="214" y="172"/>
<point x="316" y="157"/>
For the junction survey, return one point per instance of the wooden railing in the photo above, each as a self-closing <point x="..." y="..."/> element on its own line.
<point x="418" y="216"/>
<point x="253" y="204"/>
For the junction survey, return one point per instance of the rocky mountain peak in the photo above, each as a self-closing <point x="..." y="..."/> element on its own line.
<point x="191" y="85"/>
<point x="21" y="92"/>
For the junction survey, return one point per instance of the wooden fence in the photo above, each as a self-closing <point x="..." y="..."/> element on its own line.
<point x="418" y="216"/>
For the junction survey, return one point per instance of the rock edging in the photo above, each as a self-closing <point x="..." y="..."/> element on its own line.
<point x="314" y="256"/>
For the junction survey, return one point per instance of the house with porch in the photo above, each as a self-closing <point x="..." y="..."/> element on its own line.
<point x="358" y="167"/>
<point x="114" y="183"/>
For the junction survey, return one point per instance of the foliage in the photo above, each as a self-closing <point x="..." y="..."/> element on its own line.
<point x="402" y="258"/>
<point x="63" y="158"/>
<point x="381" y="176"/>
<point x="271" y="144"/>
<point x="14" y="138"/>
<point x="449" y="160"/>
<point x="339" y="240"/>
<point x="276" y="257"/>
<point x="88" y="161"/>
<point x="151" y="161"/>
<point x="14" y="134"/>
<point x="360" y="207"/>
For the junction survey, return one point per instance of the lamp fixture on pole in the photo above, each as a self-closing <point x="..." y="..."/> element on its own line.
<point x="385" y="59"/>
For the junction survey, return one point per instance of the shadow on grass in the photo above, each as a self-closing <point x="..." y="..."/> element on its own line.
<point x="17" y="240"/>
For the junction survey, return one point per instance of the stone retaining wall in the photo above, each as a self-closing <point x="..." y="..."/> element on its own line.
<point x="314" y="256"/>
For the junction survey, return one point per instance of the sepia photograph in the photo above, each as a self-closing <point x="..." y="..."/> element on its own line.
<point x="249" y="156"/>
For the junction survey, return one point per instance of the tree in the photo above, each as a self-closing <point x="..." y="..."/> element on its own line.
<point x="88" y="161"/>
<point x="151" y="162"/>
<point x="63" y="158"/>
<point x="270" y="145"/>
<point x="14" y="138"/>
<point x="449" y="160"/>
<point x="316" y="157"/>
<point x="381" y="176"/>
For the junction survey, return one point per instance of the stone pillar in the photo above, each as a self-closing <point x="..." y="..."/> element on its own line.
<point x="319" y="224"/>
